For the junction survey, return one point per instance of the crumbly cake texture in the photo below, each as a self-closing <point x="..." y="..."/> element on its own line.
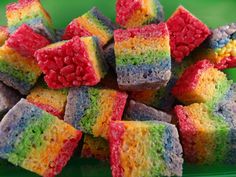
<point x="201" y="83"/>
<point x="141" y="112"/>
<point x="186" y="33"/>
<point x="92" y="23"/>
<point x="146" y="66"/>
<point x="18" y="67"/>
<point x="220" y="47"/>
<point x="35" y="140"/>
<point x="144" y="148"/>
<point x="208" y="134"/>
<point x="51" y="100"/>
<point x="32" y="13"/>
<point x="4" y="34"/>
<point x="72" y="63"/>
<point x="136" y="13"/>
<point x="91" y="109"/>
<point x="8" y="98"/>
<point x="97" y="148"/>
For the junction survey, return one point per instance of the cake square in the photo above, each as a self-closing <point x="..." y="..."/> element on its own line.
<point x="97" y="148"/>
<point x="76" y="62"/>
<point x="146" y="66"/>
<point x="141" y="112"/>
<point x="18" y="67"/>
<point x="220" y="47"/>
<point x="92" y="23"/>
<point x="35" y="140"/>
<point x="51" y="100"/>
<point x="8" y="98"/>
<point x="32" y="13"/>
<point x="136" y="13"/>
<point x="186" y="33"/>
<point x="3" y="34"/>
<point x="208" y="134"/>
<point x="201" y="83"/>
<point x="91" y="109"/>
<point x="144" y="148"/>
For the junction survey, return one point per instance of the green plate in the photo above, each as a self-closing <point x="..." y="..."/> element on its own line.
<point x="212" y="12"/>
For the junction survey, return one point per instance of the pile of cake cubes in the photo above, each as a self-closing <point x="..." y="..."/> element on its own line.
<point x="143" y="93"/>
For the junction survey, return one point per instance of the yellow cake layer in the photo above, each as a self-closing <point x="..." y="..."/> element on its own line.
<point x="206" y="87"/>
<point x="134" y="150"/>
<point x="204" y="142"/>
<point x="54" y="98"/>
<point x="39" y="160"/>
<point x="106" y="102"/>
<point x="92" y="28"/>
<point x="142" y="15"/>
<point x="138" y="45"/>
<point x="18" y="61"/>
<point x="92" y="53"/>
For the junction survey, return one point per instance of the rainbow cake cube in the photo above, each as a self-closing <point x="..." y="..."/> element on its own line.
<point x="220" y="47"/>
<point x="186" y="33"/>
<point x="91" y="109"/>
<point x="208" y="134"/>
<point x="32" y="13"/>
<point x="201" y="83"/>
<point x="3" y="34"/>
<point x="35" y="140"/>
<point x="97" y="148"/>
<point x="146" y="66"/>
<point x="136" y="13"/>
<point x="8" y="98"/>
<point x="76" y="62"/>
<point x="18" y="67"/>
<point x="146" y="148"/>
<point x="92" y="23"/>
<point x="50" y="100"/>
<point x="141" y="112"/>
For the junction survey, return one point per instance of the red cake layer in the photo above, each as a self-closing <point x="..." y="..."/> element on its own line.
<point x="189" y="79"/>
<point x="26" y="41"/>
<point x="186" y="33"/>
<point x="119" y="106"/>
<point x="74" y="29"/>
<point x="228" y="62"/>
<point x="63" y="157"/>
<point x="188" y="133"/>
<point x="115" y="140"/>
<point x="4" y="28"/>
<point x="125" y="9"/>
<point x="20" y="4"/>
<point x="67" y="65"/>
<point x="49" y="109"/>
<point x="146" y="32"/>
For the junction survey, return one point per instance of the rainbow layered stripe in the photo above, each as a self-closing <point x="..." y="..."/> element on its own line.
<point x="147" y="149"/>
<point x="72" y="63"/>
<point x="141" y="112"/>
<point x="135" y="13"/>
<point x="92" y="23"/>
<point x="32" y="13"/>
<point x="52" y="101"/>
<point x="145" y="66"/>
<point x="220" y="47"/>
<point x="91" y="109"/>
<point x="201" y="83"/>
<point x="3" y="34"/>
<point x="8" y="98"/>
<point x="35" y="140"/>
<point x="208" y="134"/>
<point x="18" y="67"/>
<point x="95" y="148"/>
